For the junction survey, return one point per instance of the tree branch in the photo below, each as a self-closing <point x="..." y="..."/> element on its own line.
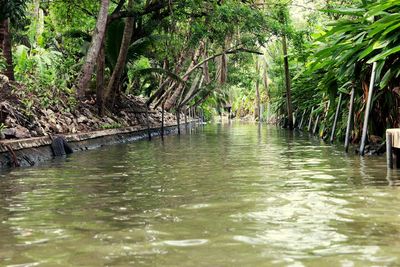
<point x="148" y="9"/>
<point x="228" y="51"/>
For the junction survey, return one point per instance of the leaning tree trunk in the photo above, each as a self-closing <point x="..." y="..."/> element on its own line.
<point x="257" y="113"/>
<point x="101" y="62"/>
<point x="94" y="50"/>
<point x="170" y="102"/>
<point x="288" y="84"/>
<point x="1" y="35"/>
<point x="114" y="82"/>
<point x="7" y="49"/>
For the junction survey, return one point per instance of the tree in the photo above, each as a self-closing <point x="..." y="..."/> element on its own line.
<point x="10" y="10"/>
<point x="288" y="83"/>
<point x="114" y="83"/>
<point x="94" y="50"/>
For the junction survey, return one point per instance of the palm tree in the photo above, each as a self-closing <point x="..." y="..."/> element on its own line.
<point x="10" y="11"/>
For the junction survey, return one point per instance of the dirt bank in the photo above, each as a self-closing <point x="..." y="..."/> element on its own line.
<point x="17" y="121"/>
<point x="27" y="127"/>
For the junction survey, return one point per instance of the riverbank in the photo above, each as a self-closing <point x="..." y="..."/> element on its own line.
<point x="20" y="119"/>
<point x="27" y="131"/>
<point x="31" y="151"/>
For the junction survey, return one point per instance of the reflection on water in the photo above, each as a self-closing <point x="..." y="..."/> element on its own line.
<point x="235" y="195"/>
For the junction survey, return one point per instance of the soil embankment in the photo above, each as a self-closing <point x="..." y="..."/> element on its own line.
<point x="26" y="132"/>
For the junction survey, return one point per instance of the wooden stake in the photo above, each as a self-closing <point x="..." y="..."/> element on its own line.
<point x="178" y="121"/>
<point x="186" y="119"/>
<point x="367" y="110"/>
<point x="302" y="120"/>
<point x="336" y="118"/>
<point x="316" y="125"/>
<point x="162" y="121"/>
<point x="349" y="121"/>
<point x="310" y="121"/>
<point x="148" y="122"/>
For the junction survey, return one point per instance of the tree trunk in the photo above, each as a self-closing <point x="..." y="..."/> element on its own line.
<point x="94" y="50"/>
<point x="115" y="80"/>
<point x="100" y="80"/>
<point x="257" y="112"/>
<point x="195" y="85"/>
<point x="158" y="95"/>
<point x="7" y="49"/>
<point x="288" y="84"/>
<point x="201" y="100"/>
<point x="178" y="91"/>
<point x="195" y="93"/>
<point x="1" y="35"/>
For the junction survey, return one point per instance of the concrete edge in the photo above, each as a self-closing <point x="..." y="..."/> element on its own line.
<point x="32" y="151"/>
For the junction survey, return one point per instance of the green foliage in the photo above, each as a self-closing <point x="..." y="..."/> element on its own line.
<point x="329" y="52"/>
<point x="339" y="57"/>
<point x="110" y="126"/>
<point x="13" y="9"/>
<point x="44" y="74"/>
<point x="3" y="63"/>
<point x="2" y="128"/>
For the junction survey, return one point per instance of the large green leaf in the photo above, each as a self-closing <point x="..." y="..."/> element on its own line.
<point x="346" y="11"/>
<point x="384" y="54"/>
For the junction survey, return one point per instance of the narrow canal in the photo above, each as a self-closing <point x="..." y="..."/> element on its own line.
<point x="238" y="195"/>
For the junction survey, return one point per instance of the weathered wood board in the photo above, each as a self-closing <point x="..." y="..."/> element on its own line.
<point x="394" y="136"/>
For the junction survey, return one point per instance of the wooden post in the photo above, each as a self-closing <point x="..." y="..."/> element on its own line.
<point x="316" y="125"/>
<point x="349" y="121"/>
<point x="367" y="110"/>
<point x="162" y="120"/>
<point x="310" y="121"/>
<point x="294" y="119"/>
<point x="336" y="118"/>
<point x="389" y="151"/>
<point x="148" y="122"/>
<point x="178" y="121"/>
<point x="302" y="120"/>
<point x="186" y="119"/>
<point x="190" y="117"/>
<point x="194" y="116"/>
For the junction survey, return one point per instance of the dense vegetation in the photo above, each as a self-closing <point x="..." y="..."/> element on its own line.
<point x="260" y="57"/>
<point x="334" y="56"/>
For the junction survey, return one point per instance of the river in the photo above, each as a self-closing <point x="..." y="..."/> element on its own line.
<point x="233" y="195"/>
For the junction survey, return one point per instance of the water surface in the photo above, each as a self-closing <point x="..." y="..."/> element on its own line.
<point x="235" y="195"/>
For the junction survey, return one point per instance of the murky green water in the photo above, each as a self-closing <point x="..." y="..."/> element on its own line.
<point x="226" y="196"/>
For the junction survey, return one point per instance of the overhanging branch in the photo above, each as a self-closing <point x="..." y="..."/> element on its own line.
<point x="228" y="51"/>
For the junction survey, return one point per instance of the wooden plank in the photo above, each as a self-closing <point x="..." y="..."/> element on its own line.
<point x="394" y="136"/>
